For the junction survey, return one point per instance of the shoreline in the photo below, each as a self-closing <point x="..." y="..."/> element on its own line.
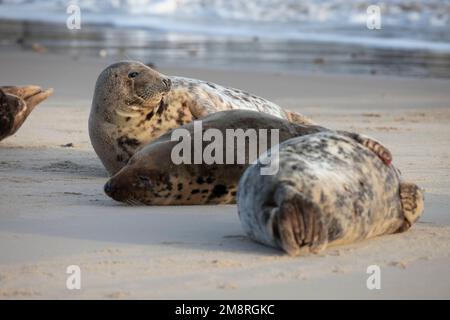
<point x="246" y="54"/>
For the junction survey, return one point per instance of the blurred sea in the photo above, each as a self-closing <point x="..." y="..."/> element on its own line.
<point x="272" y="35"/>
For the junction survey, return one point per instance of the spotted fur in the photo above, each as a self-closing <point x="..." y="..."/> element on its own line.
<point x="330" y="189"/>
<point x="151" y="178"/>
<point x="145" y="107"/>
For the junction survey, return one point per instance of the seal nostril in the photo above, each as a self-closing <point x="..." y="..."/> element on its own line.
<point x="108" y="188"/>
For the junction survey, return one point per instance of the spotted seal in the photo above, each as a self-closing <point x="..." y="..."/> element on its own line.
<point x="330" y="189"/>
<point x="152" y="178"/>
<point x="134" y="104"/>
<point x="16" y="104"/>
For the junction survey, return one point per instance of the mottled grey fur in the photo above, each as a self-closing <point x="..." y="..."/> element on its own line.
<point x="330" y="189"/>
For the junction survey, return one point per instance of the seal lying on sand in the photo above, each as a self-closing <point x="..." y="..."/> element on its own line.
<point x="16" y="104"/>
<point x="133" y="105"/>
<point x="151" y="177"/>
<point x="329" y="190"/>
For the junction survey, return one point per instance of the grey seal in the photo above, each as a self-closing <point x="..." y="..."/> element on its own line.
<point x="330" y="189"/>
<point x="134" y="104"/>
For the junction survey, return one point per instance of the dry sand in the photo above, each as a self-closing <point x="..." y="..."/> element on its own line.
<point x="53" y="212"/>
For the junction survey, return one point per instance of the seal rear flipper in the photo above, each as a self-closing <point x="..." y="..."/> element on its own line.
<point x="22" y="92"/>
<point x="376" y="147"/>
<point x="298" y="226"/>
<point x="412" y="200"/>
<point x="36" y="98"/>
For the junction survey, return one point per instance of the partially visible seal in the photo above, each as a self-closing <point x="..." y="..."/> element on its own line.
<point x="16" y="104"/>
<point x="133" y="105"/>
<point x="152" y="178"/>
<point x="330" y="189"/>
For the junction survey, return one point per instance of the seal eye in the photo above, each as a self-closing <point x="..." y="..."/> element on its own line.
<point x="133" y="74"/>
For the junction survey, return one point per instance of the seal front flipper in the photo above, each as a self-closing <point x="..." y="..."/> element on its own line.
<point x="297" y="118"/>
<point x="297" y="223"/>
<point x="381" y="151"/>
<point x="203" y="107"/>
<point x="412" y="200"/>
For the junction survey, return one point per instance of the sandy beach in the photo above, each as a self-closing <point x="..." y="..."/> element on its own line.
<point x="53" y="212"/>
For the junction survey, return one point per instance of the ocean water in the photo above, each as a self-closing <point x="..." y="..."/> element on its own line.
<point x="284" y="35"/>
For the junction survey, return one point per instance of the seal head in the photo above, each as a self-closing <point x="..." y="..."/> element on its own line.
<point x="124" y="92"/>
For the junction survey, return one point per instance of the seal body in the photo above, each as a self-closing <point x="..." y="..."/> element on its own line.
<point x="133" y="105"/>
<point x="151" y="177"/>
<point x="16" y="104"/>
<point x="330" y="189"/>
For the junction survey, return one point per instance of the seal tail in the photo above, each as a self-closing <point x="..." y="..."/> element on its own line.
<point x="297" y="225"/>
<point x="298" y="118"/>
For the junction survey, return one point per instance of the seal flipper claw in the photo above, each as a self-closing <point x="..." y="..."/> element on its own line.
<point x="298" y="118"/>
<point x="380" y="150"/>
<point x="412" y="200"/>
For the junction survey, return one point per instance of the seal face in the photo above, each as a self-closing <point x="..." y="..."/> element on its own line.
<point x="16" y="104"/>
<point x="330" y="189"/>
<point x="152" y="178"/>
<point x="133" y="105"/>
